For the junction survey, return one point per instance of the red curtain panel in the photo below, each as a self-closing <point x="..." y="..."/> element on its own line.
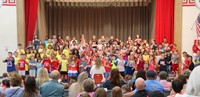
<point x="164" y="24"/>
<point x="31" y="10"/>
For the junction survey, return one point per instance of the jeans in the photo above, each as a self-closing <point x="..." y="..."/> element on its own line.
<point x="169" y="68"/>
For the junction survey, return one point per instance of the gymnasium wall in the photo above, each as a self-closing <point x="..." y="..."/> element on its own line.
<point x="8" y="31"/>
<point x="189" y="34"/>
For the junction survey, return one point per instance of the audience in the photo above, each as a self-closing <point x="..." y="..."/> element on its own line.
<point x="177" y="86"/>
<point x="76" y="88"/>
<point x="88" y="87"/>
<point x="30" y="89"/>
<point x="115" y="79"/>
<point x="163" y="80"/>
<point x="140" y="86"/>
<point x="100" y="93"/>
<point x="52" y="88"/>
<point x="15" y="83"/>
<point x="152" y="84"/>
<point x="193" y="85"/>
<point x="156" y="94"/>
<point x="42" y="77"/>
<point x="116" y="92"/>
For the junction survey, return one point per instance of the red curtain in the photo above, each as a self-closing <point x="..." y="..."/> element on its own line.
<point x="164" y="27"/>
<point x="31" y="11"/>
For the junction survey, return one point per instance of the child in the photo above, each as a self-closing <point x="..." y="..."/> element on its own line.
<point x="162" y="63"/>
<point x="175" y="61"/>
<point x="152" y="63"/>
<point x="66" y="51"/>
<point x="36" y="42"/>
<point x="32" y="64"/>
<point x="63" y="67"/>
<point x="54" y="63"/>
<point x="146" y="59"/>
<point x="17" y="57"/>
<point x="130" y="66"/>
<point x="72" y="68"/>
<point x="46" y="63"/>
<point x="107" y="66"/>
<point x="114" y="62"/>
<point x="140" y="63"/>
<point x="83" y="64"/>
<point x="120" y="65"/>
<point x="186" y="63"/>
<point x="21" y="65"/>
<point x="38" y="65"/>
<point x="20" y="50"/>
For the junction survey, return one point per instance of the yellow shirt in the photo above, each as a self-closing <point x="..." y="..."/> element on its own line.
<point x="67" y="53"/>
<point x="64" y="64"/>
<point x="20" y="51"/>
<point x="40" y="50"/>
<point x="27" y="65"/>
<point x="16" y="60"/>
<point x="145" y="58"/>
<point x="59" y="57"/>
<point x="28" y="56"/>
<point x="47" y="45"/>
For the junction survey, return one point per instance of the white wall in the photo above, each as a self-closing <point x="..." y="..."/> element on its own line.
<point x="190" y="14"/>
<point x="8" y="33"/>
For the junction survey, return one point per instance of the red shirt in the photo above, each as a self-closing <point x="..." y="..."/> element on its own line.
<point x="195" y="49"/>
<point x="108" y="66"/>
<point x="186" y="64"/>
<point x="55" y="64"/>
<point x="21" y="64"/>
<point x="46" y="63"/>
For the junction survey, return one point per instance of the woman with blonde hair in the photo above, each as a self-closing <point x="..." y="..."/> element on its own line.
<point x="42" y="77"/>
<point x="76" y="88"/>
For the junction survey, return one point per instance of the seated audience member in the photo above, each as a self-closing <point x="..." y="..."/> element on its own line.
<point x="15" y="83"/>
<point x="193" y="85"/>
<point x="187" y="73"/>
<point x="88" y="87"/>
<point x="156" y="94"/>
<point x="140" y="86"/>
<point x="116" y="92"/>
<point x="42" y="77"/>
<point x="5" y="76"/>
<point x="76" y="88"/>
<point x="152" y="84"/>
<point x="4" y="85"/>
<point x="126" y="89"/>
<point x="100" y="93"/>
<point x="177" y="86"/>
<point x="184" y="80"/>
<point x="84" y="94"/>
<point x="115" y="79"/>
<point x="163" y="80"/>
<point x="30" y="89"/>
<point x="52" y="88"/>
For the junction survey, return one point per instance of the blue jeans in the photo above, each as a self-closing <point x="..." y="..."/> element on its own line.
<point x="169" y="68"/>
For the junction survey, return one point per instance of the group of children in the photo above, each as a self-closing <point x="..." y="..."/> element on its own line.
<point x="71" y="57"/>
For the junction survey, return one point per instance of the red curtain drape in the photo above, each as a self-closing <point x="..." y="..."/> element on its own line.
<point x="164" y="25"/>
<point x="31" y="11"/>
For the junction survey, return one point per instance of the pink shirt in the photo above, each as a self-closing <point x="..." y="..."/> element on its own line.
<point x="166" y="85"/>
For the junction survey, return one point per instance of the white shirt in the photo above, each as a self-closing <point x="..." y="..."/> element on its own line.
<point x="185" y="95"/>
<point x="120" y="65"/>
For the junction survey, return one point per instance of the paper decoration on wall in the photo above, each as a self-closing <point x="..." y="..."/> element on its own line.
<point x="9" y="3"/>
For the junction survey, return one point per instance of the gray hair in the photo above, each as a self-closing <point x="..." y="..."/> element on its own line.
<point x="55" y="75"/>
<point x="193" y="85"/>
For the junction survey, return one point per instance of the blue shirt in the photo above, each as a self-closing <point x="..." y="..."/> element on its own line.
<point x="13" y="91"/>
<point x="10" y="65"/>
<point x="52" y="89"/>
<point x="32" y="62"/>
<point x="153" y="85"/>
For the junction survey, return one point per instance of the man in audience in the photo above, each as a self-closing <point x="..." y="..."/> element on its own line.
<point x="52" y="88"/>
<point x="140" y="86"/>
<point x="152" y="83"/>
